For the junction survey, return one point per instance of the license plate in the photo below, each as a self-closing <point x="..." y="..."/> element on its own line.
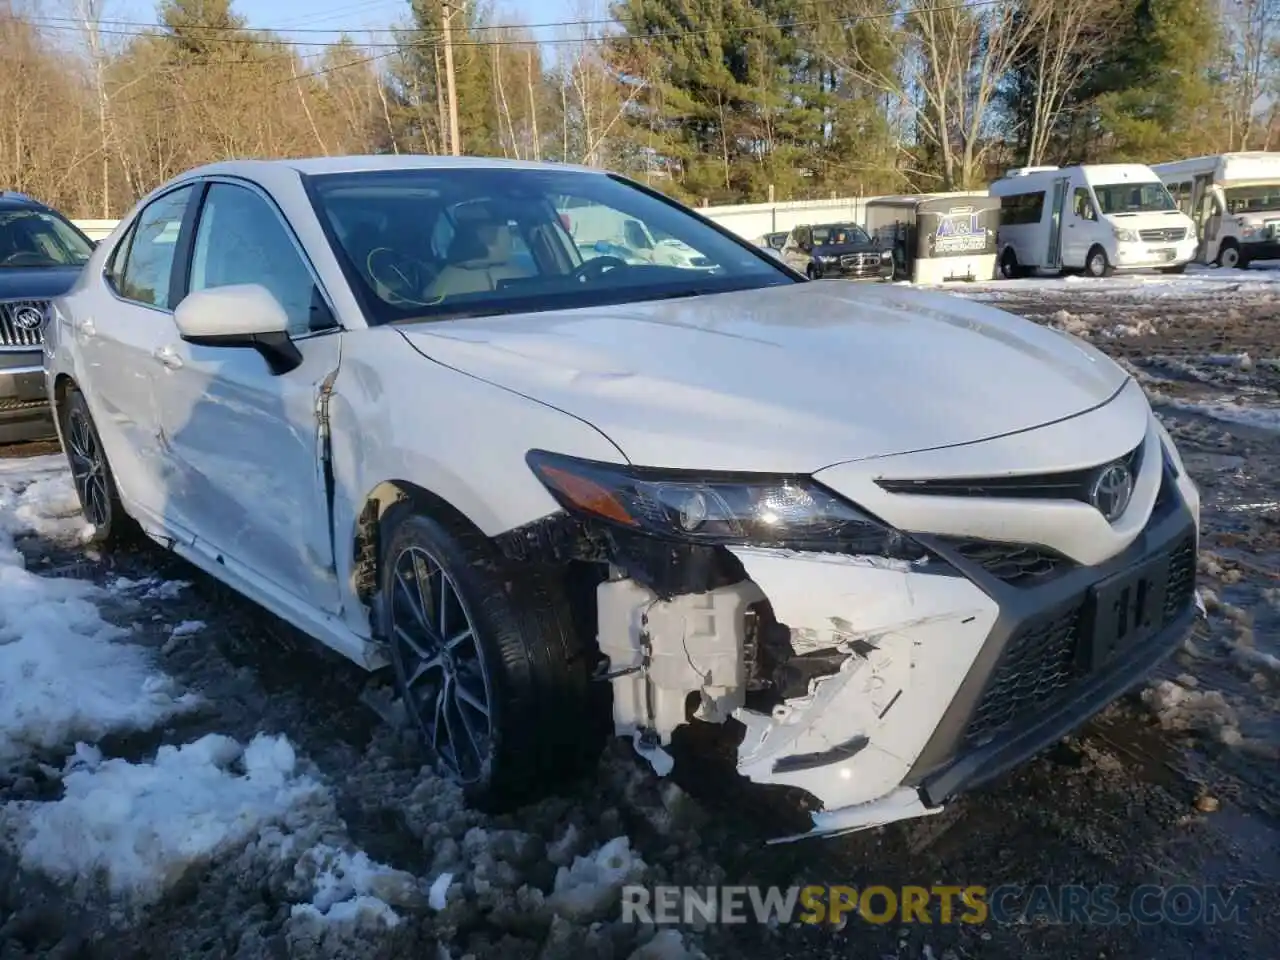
<point x="1123" y="610"/>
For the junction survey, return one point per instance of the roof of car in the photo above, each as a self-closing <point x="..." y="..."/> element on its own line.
<point x="356" y="164"/>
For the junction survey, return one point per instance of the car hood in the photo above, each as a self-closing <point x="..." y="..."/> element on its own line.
<point x="36" y="283"/>
<point x="785" y="379"/>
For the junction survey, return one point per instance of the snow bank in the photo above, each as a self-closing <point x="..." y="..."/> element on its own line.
<point x="38" y="497"/>
<point x="138" y="828"/>
<point x="65" y="673"/>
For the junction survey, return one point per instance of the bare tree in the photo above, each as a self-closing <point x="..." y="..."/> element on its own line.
<point x="1058" y="57"/>
<point x="954" y="59"/>
<point x="1250" y="35"/>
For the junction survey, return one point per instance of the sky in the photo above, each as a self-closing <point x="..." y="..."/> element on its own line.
<point x="348" y="15"/>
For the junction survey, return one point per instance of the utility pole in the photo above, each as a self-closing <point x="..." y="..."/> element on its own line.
<point x="455" y="145"/>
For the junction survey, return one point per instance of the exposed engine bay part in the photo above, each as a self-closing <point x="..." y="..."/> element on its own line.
<point x="839" y="667"/>
<point x="660" y="651"/>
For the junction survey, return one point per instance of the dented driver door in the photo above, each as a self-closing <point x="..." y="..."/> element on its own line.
<point x="245" y="444"/>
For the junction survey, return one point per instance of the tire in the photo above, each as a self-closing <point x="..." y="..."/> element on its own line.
<point x="1009" y="268"/>
<point x="91" y="472"/>
<point x="1096" y="263"/>
<point x="1229" y="256"/>
<point x="523" y="716"/>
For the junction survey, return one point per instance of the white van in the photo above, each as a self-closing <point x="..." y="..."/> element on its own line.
<point x="1098" y="218"/>
<point x="1234" y="198"/>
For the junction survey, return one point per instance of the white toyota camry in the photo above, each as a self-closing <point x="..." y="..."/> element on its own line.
<point x="900" y="541"/>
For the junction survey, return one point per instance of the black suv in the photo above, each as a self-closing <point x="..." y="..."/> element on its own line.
<point x="41" y="254"/>
<point x="837" y="251"/>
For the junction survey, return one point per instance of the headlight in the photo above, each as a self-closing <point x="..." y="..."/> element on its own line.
<point x="827" y="258"/>
<point x="1249" y="231"/>
<point x="886" y="254"/>
<point x="1127" y="236"/>
<point x="733" y="509"/>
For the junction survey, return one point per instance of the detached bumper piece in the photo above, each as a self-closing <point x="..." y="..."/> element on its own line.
<point x="1062" y="650"/>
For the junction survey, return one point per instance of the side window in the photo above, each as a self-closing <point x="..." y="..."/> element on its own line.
<point x="148" y="263"/>
<point x="241" y="239"/>
<point x="1084" y="205"/>
<point x="115" y="265"/>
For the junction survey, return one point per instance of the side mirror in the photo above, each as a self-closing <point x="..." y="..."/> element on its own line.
<point x="239" y="315"/>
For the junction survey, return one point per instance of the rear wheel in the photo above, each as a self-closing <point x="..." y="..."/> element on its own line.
<point x="90" y="471"/>
<point x="487" y="662"/>
<point x="1097" y="264"/>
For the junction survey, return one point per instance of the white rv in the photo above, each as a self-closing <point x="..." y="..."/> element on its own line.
<point x="1098" y="218"/>
<point x="1234" y="198"/>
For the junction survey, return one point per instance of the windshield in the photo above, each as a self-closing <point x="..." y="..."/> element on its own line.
<point x="1258" y="198"/>
<point x="1134" y="198"/>
<point x="446" y="243"/>
<point x="831" y="234"/>
<point x="34" y="238"/>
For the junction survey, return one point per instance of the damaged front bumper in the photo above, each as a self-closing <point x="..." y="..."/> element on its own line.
<point x="940" y="675"/>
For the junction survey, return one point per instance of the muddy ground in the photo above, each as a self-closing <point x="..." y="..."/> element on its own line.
<point x="1177" y="785"/>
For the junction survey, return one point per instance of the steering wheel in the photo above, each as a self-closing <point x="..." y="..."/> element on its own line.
<point x="405" y="278"/>
<point x="596" y="267"/>
<point x="33" y="259"/>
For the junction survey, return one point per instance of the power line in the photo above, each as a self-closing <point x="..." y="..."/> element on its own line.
<point x="252" y="37"/>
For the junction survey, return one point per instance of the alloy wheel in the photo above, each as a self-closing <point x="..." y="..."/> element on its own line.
<point x="88" y="470"/>
<point x="1098" y="264"/>
<point x="445" y="681"/>
<point x="1229" y="258"/>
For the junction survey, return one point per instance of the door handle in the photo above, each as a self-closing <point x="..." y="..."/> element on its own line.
<point x="168" y="356"/>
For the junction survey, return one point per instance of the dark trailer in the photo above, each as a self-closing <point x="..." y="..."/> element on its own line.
<point x="937" y="237"/>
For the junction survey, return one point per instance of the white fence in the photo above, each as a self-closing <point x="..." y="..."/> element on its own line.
<point x="96" y="229"/>
<point x="753" y="220"/>
<point x="749" y="220"/>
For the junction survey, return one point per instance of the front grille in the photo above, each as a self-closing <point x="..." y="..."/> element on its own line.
<point x="1036" y="666"/>
<point x="1163" y="234"/>
<point x="1181" y="587"/>
<point x="1020" y="564"/>
<point x="14" y="334"/>
<point x="1068" y="485"/>
<point x="1040" y="664"/>
<point x="857" y="259"/>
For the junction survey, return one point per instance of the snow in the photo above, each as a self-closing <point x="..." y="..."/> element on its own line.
<point x="591" y="887"/>
<point x="140" y="827"/>
<point x="1260" y="278"/>
<point x="65" y="672"/>
<point x="38" y="497"/>
<point x="351" y="888"/>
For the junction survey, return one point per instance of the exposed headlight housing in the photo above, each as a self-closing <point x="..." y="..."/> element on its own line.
<point x="730" y="509"/>
<point x="1127" y="236"/>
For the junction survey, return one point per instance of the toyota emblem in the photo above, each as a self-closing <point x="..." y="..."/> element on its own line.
<point x="28" y="318"/>
<point x="1112" y="489"/>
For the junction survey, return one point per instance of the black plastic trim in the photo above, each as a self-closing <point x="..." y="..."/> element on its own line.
<point x="945" y="767"/>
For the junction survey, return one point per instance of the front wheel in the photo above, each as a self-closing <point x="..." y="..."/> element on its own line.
<point x="1229" y="257"/>
<point x="487" y="662"/>
<point x="1097" y="264"/>
<point x="94" y="482"/>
